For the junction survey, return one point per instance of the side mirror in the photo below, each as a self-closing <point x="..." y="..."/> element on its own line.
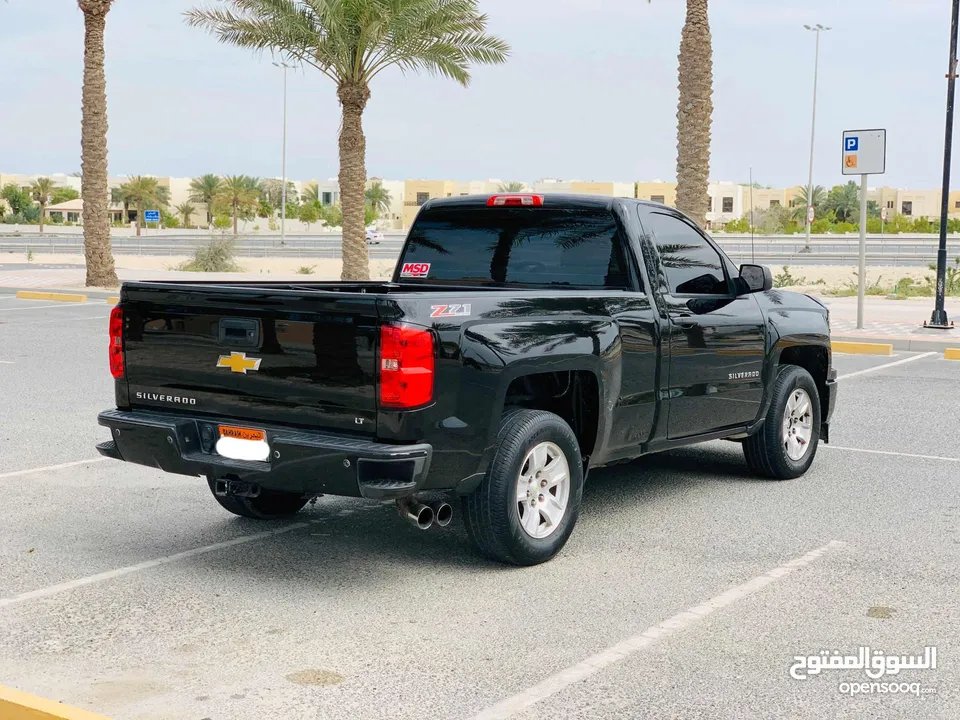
<point x="755" y="278"/>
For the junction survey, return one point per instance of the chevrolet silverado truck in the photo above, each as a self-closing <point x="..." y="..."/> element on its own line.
<point x="523" y="340"/>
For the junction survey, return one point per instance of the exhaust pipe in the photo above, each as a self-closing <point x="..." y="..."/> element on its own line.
<point x="416" y="513"/>
<point x="442" y="513"/>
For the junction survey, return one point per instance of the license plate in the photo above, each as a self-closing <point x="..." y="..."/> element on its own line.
<point x="239" y="443"/>
<point x="241" y="433"/>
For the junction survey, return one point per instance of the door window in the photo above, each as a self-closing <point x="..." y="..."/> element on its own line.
<point x="692" y="266"/>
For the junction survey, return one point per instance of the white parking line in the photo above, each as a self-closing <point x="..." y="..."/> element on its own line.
<point x="6" y="362"/>
<point x="890" y="452"/>
<point x="615" y="653"/>
<point x="49" y="468"/>
<point x="120" y="572"/>
<point x="887" y="365"/>
<point x="58" y="305"/>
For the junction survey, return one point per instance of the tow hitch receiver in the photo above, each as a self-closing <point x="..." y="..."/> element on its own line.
<point x="236" y="487"/>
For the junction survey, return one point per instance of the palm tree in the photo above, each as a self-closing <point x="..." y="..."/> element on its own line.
<point x="510" y="187"/>
<point x="203" y="190"/>
<point x="146" y="193"/>
<point x="93" y="148"/>
<point x="239" y="192"/>
<point x="378" y="197"/>
<point x="311" y="193"/>
<point x="844" y="200"/>
<point x="800" y="202"/>
<point x="694" y="112"/>
<point x="184" y="210"/>
<point x="351" y="42"/>
<point x="40" y="190"/>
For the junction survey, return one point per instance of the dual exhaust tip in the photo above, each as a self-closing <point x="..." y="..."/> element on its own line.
<point x="424" y="516"/>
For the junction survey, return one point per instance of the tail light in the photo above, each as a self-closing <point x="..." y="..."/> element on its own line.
<point x="406" y="366"/>
<point x="522" y="200"/>
<point x="116" y="342"/>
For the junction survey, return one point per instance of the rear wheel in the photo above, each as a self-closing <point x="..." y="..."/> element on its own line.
<point x="786" y="444"/>
<point x="268" y="505"/>
<point x="528" y="503"/>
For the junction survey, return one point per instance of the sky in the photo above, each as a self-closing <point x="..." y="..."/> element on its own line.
<point x="588" y="93"/>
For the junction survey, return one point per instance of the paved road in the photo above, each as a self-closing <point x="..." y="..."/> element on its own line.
<point x="131" y="592"/>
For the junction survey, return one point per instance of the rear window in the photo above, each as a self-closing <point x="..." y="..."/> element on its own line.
<point x="516" y="246"/>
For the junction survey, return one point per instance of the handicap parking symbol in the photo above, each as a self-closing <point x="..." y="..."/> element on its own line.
<point x="851" y="144"/>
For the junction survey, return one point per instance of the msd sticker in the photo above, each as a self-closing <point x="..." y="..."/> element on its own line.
<point x="415" y="270"/>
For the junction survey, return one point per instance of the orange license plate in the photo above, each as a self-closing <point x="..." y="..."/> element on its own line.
<point x="241" y="433"/>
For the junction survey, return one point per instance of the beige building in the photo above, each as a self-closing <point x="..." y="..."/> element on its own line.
<point x="72" y="211"/>
<point x="657" y="191"/>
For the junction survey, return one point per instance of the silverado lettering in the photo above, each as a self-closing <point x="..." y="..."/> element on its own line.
<point x="522" y="341"/>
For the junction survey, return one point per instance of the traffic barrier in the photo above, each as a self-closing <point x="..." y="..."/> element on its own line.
<point x="16" y="705"/>
<point x="861" y="348"/>
<point x="52" y="296"/>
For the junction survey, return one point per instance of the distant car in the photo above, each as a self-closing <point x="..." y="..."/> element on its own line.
<point x="374" y="237"/>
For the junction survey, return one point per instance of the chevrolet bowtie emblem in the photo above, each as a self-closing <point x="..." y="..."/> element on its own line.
<point x="238" y="362"/>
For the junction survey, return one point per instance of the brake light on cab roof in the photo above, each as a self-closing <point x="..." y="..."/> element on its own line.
<point x="513" y="200"/>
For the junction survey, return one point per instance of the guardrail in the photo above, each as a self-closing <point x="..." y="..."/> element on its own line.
<point x="907" y="250"/>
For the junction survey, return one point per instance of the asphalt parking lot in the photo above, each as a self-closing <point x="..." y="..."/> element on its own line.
<point x="686" y="591"/>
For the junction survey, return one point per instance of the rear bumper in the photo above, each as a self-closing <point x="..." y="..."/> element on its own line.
<point x="300" y="461"/>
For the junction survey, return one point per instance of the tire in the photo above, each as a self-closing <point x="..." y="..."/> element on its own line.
<point x="769" y="452"/>
<point x="494" y="517"/>
<point x="268" y="505"/>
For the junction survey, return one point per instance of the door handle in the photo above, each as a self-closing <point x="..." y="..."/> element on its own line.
<point x="686" y="320"/>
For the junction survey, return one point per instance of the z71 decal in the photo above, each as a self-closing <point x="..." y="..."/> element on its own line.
<point x="440" y="311"/>
<point x="415" y="270"/>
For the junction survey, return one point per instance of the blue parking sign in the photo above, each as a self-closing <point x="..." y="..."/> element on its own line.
<point x="851" y="144"/>
<point x="151" y="215"/>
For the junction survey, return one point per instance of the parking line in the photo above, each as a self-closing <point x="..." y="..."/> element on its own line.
<point x="49" y="468"/>
<point x="887" y="365"/>
<point x="120" y="572"/>
<point x="890" y="452"/>
<point x="615" y="653"/>
<point x="82" y="306"/>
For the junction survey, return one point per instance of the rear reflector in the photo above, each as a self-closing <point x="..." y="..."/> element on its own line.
<point x="515" y="201"/>
<point x="116" y="342"/>
<point x="406" y="366"/>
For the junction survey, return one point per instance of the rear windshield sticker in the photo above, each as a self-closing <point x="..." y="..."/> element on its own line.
<point x="415" y="270"/>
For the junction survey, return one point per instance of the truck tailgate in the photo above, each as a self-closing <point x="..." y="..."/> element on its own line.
<point x="298" y="358"/>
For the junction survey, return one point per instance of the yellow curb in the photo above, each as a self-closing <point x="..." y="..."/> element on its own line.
<point x="951" y="354"/>
<point x="55" y="297"/>
<point x="16" y="705"/>
<point x="112" y="300"/>
<point x="860" y="348"/>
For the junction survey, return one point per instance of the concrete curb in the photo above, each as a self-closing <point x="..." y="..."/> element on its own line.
<point x="91" y="294"/>
<point x="902" y="343"/>
<point x="16" y="705"/>
<point x="861" y="348"/>
<point x="951" y="354"/>
<point x="51" y="296"/>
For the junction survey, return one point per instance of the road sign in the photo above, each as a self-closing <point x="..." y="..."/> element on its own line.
<point x="883" y="214"/>
<point x="151" y="216"/>
<point x="864" y="152"/>
<point x="810" y="213"/>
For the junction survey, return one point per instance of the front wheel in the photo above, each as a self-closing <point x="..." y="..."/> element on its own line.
<point x="268" y="505"/>
<point x="528" y="503"/>
<point x="786" y="444"/>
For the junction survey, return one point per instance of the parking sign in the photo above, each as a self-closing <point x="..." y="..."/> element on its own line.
<point x="864" y="152"/>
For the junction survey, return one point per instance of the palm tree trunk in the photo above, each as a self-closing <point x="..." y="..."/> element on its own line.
<point x="694" y="113"/>
<point x="236" y="211"/>
<point x="353" y="177"/>
<point x="43" y="207"/>
<point x="139" y="215"/>
<point x="93" y="141"/>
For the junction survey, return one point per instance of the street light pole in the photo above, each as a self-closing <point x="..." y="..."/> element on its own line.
<point x="818" y="28"/>
<point x="939" y="317"/>
<point x="283" y="188"/>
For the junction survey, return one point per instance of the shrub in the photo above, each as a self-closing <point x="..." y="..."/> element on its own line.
<point x="305" y="270"/>
<point x="168" y="220"/>
<point x="222" y="222"/>
<point x="216" y="256"/>
<point x="785" y="279"/>
<point x="843" y="227"/>
<point x="819" y="227"/>
<point x="737" y="226"/>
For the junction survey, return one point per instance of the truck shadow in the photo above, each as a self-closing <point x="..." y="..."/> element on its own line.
<point x="359" y="542"/>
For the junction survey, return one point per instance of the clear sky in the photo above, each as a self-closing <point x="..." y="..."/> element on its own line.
<point x="588" y="94"/>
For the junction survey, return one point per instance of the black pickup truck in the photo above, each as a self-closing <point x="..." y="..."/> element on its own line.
<point x="523" y="340"/>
